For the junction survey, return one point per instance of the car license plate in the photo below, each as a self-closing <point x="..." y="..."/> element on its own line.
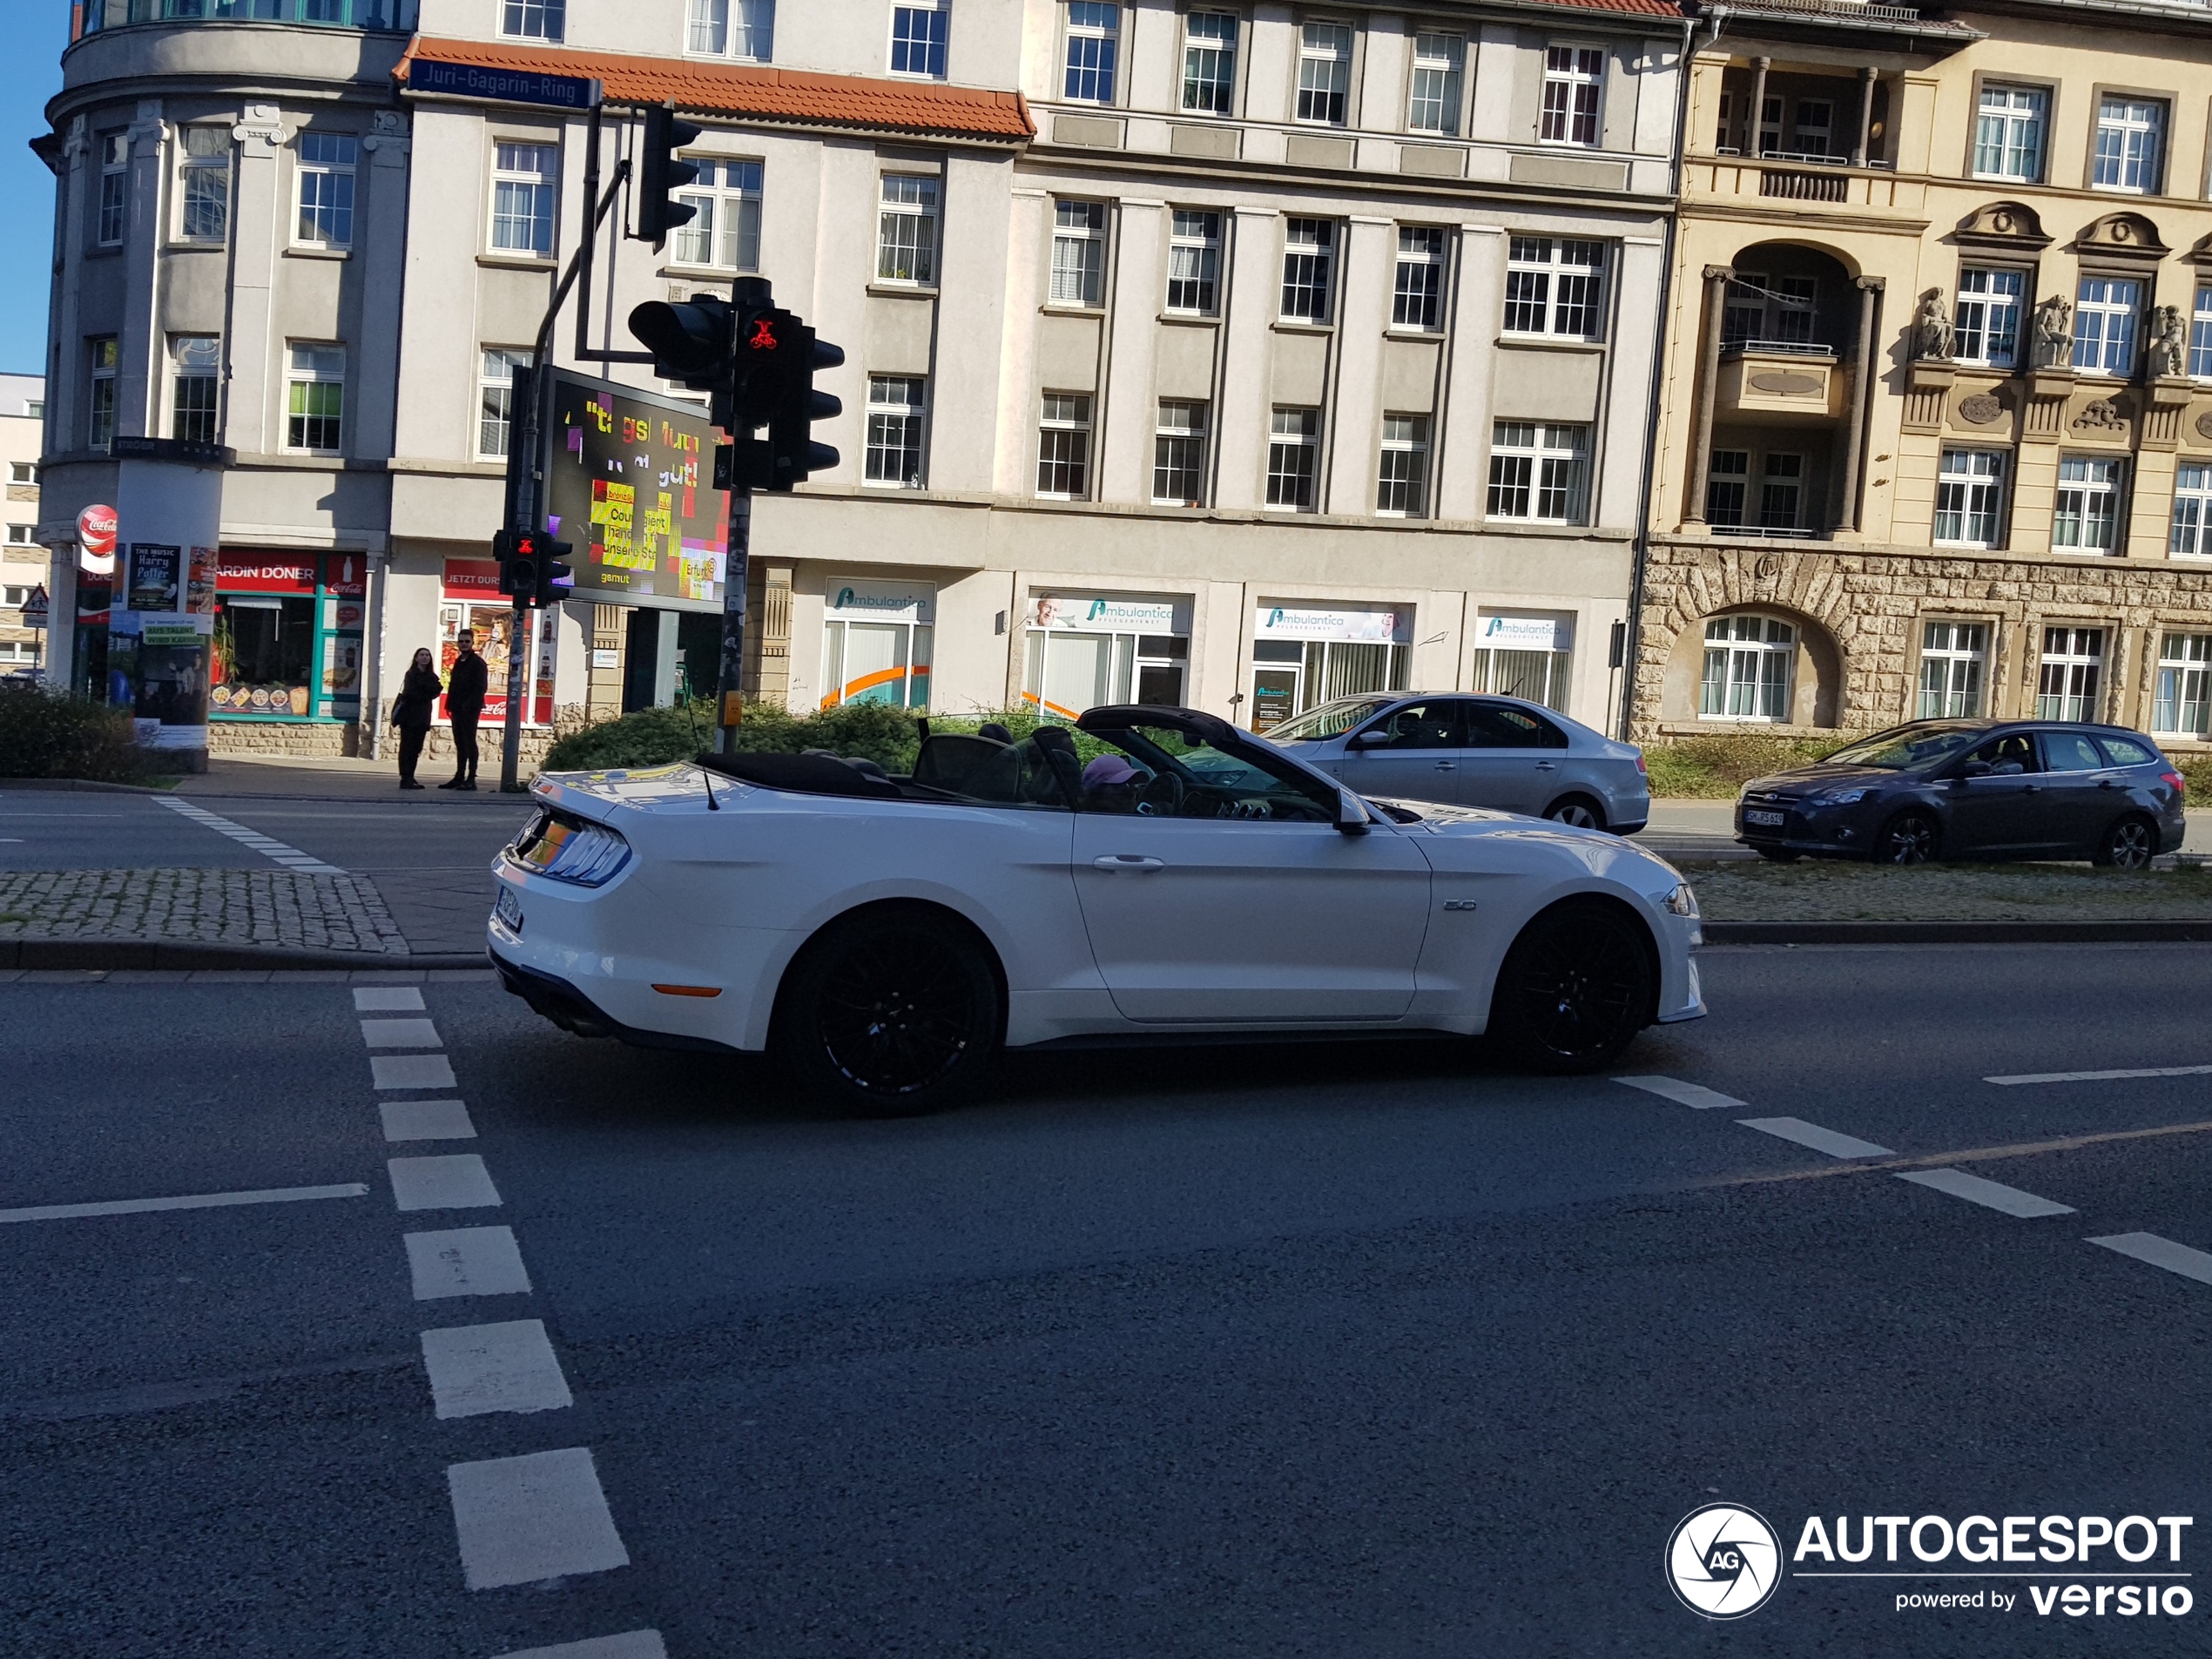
<point x="1771" y="821"/>
<point x="508" y="911"/>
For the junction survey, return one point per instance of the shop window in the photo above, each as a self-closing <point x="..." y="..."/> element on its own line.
<point x="1988" y="313"/>
<point x="204" y="184"/>
<point x="2104" y="325"/>
<point x="1324" y="72"/>
<point x="1304" y="655"/>
<point x="1954" y="661"/>
<point x="1210" y="62"/>
<point x="2192" y="536"/>
<point x="2068" y="676"/>
<point x="1418" y="298"/>
<point x="2182" y="706"/>
<point x="287" y="636"/>
<point x="2088" y="519"/>
<point x="1750" y="663"/>
<point x="1530" y="658"/>
<point x="1087" y="651"/>
<point x="876" y="645"/>
<point x="1194" y="263"/>
<point x="263" y="657"/>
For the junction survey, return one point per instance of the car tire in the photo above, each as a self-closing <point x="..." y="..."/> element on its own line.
<point x="1575" y="988"/>
<point x="891" y="1013"/>
<point x="1777" y="854"/>
<point x="1579" y="811"/>
<point x="1910" y="837"/>
<point x="2129" y="845"/>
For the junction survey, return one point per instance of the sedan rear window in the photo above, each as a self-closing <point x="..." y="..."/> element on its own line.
<point x="1497" y="725"/>
<point x="1330" y="720"/>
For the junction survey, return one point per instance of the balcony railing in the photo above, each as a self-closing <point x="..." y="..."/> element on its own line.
<point x="1844" y="8"/>
<point x="1795" y="348"/>
<point x="1789" y="184"/>
<point x="395" y="16"/>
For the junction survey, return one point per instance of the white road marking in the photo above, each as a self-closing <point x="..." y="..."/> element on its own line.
<point x="524" y="1520"/>
<point x="2161" y="1252"/>
<point x="426" y="1120"/>
<point x="411" y="1071"/>
<point x="1991" y="1194"/>
<point x="387" y="999"/>
<point x="479" y="1368"/>
<point x="633" y="1644"/>
<point x="454" y="1181"/>
<point x="1820" y="1139"/>
<point x="291" y="857"/>
<point x="2102" y="1077"/>
<point x="200" y="1200"/>
<point x="1695" y="1096"/>
<point x="468" y="1261"/>
<point x="401" y="1033"/>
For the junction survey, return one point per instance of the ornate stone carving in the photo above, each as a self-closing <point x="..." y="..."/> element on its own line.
<point x="2009" y="224"/>
<point x="1982" y="408"/>
<point x="2055" y="332"/>
<point x="2204" y="424"/>
<point x="1785" y="383"/>
<point x="2169" y="351"/>
<point x="2103" y="415"/>
<point x="1932" y="335"/>
<point x="2125" y="234"/>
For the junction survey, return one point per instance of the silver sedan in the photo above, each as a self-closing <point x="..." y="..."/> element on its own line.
<point x="1495" y="751"/>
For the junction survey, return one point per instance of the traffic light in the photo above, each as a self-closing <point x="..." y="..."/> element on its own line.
<point x="555" y="576"/>
<point x="780" y="395"/>
<point x="693" y="343"/>
<point x="661" y="171"/>
<point x="531" y="567"/>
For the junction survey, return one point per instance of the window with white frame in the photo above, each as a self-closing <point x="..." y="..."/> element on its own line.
<point x="1539" y="472"/>
<point x="1573" y="86"/>
<point x="2104" y="325"/>
<point x="324" y="164"/>
<point x="1813" y="133"/>
<point x="1324" y="72"/>
<point x="740" y="29"/>
<point x="99" y="405"/>
<point x="533" y="19"/>
<point x="1555" y="286"/>
<point x="195" y="388"/>
<point x="2008" y="133"/>
<point x="1988" y="315"/>
<point x="2192" y="536"/>
<point x="1440" y="62"/>
<point x="906" y="237"/>
<point x="896" y="411"/>
<point x="1728" y="487"/>
<point x="19" y="536"/>
<point x="1293" y="451"/>
<point x="204" y="184"/>
<point x="1417" y="299"/>
<point x="2068" y="676"/>
<point x="1093" y="39"/>
<point x="22" y="472"/>
<point x="1782" y="492"/>
<point x="523" y="188"/>
<point x="725" y="230"/>
<point x="1954" y="660"/>
<point x="496" y="399"/>
<point x="2088" y="519"/>
<point x="1309" y="259"/>
<point x="1401" y="489"/>
<point x="1194" y="263"/>
<point x="115" y="189"/>
<point x="2129" y="134"/>
<point x="2181" y="703"/>
<point x="1750" y="663"/>
<point x="1970" y="498"/>
<point x="1079" y="254"/>
<point x="2201" y="336"/>
<point x="1210" y="62"/>
<point x="1179" y="455"/>
<point x="315" y="393"/>
<point x="918" y="30"/>
<point x="1063" y="447"/>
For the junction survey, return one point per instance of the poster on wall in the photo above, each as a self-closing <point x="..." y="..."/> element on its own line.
<point x="473" y="604"/>
<point x="200" y="581"/>
<point x="153" y="579"/>
<point x="630" y="488"/>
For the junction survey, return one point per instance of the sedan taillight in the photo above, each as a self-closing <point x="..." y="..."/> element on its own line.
<point x="2174" y="779"/>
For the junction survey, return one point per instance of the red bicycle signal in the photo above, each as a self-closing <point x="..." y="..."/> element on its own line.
<point x="763" y="335"/>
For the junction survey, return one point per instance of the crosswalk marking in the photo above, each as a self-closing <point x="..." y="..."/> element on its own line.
<point x="2161" y="1252"/>
<point x="291" y="857"/>
<point x="1820" y="1140"/>
<point x="1993" y="1194"/>
<point x="1695" y="1095"/>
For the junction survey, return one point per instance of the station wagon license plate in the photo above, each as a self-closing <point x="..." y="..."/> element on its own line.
<point x="507" y="909"/>
<point x="1770" y="820"/>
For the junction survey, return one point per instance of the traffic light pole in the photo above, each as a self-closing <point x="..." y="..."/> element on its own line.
<point x="736" y="579"/>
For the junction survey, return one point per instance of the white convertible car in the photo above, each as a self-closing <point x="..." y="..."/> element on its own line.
<point x="1155" y="872"/>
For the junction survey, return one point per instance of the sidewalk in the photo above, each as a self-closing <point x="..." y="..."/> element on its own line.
<point x="289" y="778"/>
<point x="280" y="909"/>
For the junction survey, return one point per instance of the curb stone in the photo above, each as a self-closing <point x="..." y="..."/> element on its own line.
<point x="114" y="955"/>
<point x="2160" y="931"/>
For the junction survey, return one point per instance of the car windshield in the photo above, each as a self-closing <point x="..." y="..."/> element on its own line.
<point x="1909" y="747"/>
<point x="1161" y="772"/>
<point x="1330" y="720"/>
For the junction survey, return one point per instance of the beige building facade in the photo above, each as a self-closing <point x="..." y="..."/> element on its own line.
<point x="23" y="560"/>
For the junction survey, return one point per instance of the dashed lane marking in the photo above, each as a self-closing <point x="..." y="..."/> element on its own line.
<point x="2102" y="1077"/>
<point x="454" y="1181"/>
<point x="1695" y="1095"/>
<point x="1971" y="1154"/>
<point x="467" y="1261"/>
<point x="426" y="1120"/>
<point x="291" y="857"/>
<point x="524" y="1520"/>
<point x="387" y="999"/>
<point x="1991" y="1194"/>
<point x="1820" y="1140"/>
<point x="479" y="1368"/>
<point x="2161" y="1252"/>
<point x="411" y="1071"/>
<point x="197" y="1201"/>
<point x="633" y="1644"/>
<point x="401" y="1033"/>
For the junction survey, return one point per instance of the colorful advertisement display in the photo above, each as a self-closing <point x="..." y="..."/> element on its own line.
<point x="630" y="488"/>
<point x="474" y="603"/>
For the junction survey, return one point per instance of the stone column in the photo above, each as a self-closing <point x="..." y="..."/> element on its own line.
<point x="1862" y="393"/>
<point x="1863" y="149"/>
<point x="1717" y="278"/>
<point x="1759" y="67"/>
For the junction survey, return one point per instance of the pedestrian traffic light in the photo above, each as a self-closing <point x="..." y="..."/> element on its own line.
<point x="793" y="454"/>
<point x="531" y="567"/>
<point x="662" y="170"/>
<point x="517" y="556"/>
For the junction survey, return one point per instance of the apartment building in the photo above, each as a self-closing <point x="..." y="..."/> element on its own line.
<point x="1937" y="438"/>
<point x="23" y="561"/>
<point x="1238" y="355"/>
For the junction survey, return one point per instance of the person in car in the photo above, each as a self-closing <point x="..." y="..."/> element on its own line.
<point x="1112" y="785"/>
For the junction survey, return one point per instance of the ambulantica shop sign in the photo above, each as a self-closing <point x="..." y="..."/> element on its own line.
<point x="1725" y="1561"/>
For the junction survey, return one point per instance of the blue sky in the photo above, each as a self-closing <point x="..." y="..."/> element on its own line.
<point x="36" y="30"/>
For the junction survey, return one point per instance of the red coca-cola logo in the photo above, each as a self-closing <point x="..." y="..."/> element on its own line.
<point x="96" y="536"/>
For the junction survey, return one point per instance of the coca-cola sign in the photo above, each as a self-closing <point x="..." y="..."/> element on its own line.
<point x="96" y="541"/>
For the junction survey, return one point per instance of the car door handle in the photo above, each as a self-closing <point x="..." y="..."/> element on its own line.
<point x="1445" y="765"/>
<point x="2031" y="789"/>
<point x="1134" y="862"/>
<point x="1546" y="766"/>
<point x="2107" y="783"/>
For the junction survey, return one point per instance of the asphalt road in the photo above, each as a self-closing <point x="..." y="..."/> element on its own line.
<point x="1337" y="1350"/>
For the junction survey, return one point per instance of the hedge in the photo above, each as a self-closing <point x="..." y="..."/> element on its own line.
<point x="46" y="734"/>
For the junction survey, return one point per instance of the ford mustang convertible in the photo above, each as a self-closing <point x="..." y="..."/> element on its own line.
<point x="1151" y="873"/>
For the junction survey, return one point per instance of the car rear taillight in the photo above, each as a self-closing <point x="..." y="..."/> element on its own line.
<point x="1641" y="767"/>
<point x="2174" y="780"/>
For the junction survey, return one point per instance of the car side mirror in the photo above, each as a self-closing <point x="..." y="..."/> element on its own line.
<point x="1353" y="816"/>
<point x="1372" y="737"/>
<point x="1975" y="769"/>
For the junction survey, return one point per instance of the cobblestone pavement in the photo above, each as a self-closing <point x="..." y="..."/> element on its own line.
<point x="280" y="907"/>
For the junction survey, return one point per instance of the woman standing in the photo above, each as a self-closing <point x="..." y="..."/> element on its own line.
<point x="411" y="714"/>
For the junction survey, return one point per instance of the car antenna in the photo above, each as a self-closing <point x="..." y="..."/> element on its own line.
<point x="706" y="777"/>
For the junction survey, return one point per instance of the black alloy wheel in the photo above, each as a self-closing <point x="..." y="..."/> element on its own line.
<point x="1576" y="987"/>
<point x="891" y="1014"/>
<point x="1910" y="837"/>
<point x="1578" y="810"/>
<point x="2129" y="845"/>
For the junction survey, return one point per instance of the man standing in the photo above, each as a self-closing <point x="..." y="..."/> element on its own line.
<point x="465" y="704"/>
